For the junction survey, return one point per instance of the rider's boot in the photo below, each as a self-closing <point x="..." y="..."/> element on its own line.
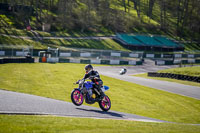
<point x="100" y="91"/>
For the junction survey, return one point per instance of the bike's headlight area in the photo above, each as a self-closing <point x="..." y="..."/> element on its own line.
<point x="81" y="81"/>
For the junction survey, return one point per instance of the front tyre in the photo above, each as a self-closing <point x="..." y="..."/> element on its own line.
<point x="77" y="97"/>
<point x="105" y="103"/>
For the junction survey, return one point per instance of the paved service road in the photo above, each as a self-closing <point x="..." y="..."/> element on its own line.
<point x="185" y="90"/>
<point x="19" y="103"/>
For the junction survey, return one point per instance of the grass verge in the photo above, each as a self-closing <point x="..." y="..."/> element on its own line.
<point x="46" y="124"/>
<point x="24" y="32"/>
<point x="190" y="71"/>
<point x="106" y="44"/>
<point x="56" y="81"/>
<point x="58" y="42"/>
<point x="169" y="79"/>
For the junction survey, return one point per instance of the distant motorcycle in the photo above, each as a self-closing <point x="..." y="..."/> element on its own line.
<point x="123" y="71"/>
<point x="90" y="94"/>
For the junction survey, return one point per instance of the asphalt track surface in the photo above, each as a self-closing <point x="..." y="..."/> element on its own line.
<point x="26" y="104"/>
<point x="181" y="89"/>
<point x="19" y="103"/>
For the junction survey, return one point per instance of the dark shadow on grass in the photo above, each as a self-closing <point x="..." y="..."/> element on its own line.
<point x="102" y="112"/>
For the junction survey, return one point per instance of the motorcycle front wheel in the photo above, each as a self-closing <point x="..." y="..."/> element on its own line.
<point x="77" y="97"/>
<point x="105" y="103"/>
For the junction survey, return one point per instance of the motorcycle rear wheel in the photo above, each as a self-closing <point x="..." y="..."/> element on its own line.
<point x="105" y="103"/>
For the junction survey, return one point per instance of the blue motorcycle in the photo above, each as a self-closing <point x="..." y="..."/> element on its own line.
<point x="91" y="95"/>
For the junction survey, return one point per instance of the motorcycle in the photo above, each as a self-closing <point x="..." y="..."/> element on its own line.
<point x="123" y="71"/>
<point x="90" y="94"/>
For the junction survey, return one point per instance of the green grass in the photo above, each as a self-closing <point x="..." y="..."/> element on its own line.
<point x="94" y="44"/>
<point x="56" y="81"/>
<point x="51" y="124"/>
<point x="169" y="79"/>
<point x="16" y="32"/>
<point x="106" y="44"/>
<point x="190" y="71"/>
<point x="12" y="42"/>
<point x="192" y="47"/>
<point x="5" y="21"/>
<point x="24" y="32"/>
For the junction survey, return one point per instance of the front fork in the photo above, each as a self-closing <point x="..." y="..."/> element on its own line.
<point x="97" y="91"/>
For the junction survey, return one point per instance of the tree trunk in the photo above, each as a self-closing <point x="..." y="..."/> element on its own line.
<point x="178" y="17"/>
<point x="137" y="6"/>
<point x="185" y="16"/>
<point x="124" y="3"/>
<point x="151" y="5"/>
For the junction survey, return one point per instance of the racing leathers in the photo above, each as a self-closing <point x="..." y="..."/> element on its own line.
<point x="95" y="78"/>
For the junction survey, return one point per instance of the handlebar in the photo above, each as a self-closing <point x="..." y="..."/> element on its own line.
<point x="79" y="81"/>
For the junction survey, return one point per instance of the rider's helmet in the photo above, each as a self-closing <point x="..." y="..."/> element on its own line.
<point x="88" y="68"/>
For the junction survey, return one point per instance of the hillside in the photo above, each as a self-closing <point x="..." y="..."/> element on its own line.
<point x="178" y="20"/>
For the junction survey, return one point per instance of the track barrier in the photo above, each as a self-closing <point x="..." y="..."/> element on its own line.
<point x="175" y="76"/>
<point x="16" y="60"/>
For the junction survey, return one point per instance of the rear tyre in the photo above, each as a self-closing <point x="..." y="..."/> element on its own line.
<point x="77" y="97"/>
<point x="105" y="103"/>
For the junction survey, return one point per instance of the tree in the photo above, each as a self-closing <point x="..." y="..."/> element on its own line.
<point x="124" y="3"/>
<point x="163" y="15"/>
<point x="151" y="5"/>
<point x="137" y="6"/>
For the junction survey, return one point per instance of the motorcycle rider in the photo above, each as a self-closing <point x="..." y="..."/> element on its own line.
<point x="95" y="78"/>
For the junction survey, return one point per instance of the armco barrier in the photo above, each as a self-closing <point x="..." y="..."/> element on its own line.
<point x="197" y="61"/>
<point x="157" y="56"/>
<point x="2" y="53"/>
<point x="85" y="61"/>
<point x="75" y="54"/>
<point x="115" y="54"/>
<point x="99" y="61"/>
<point x="85" y="54"/>
<point x="74" y="61"/>
<point x="52" y="60"/>
<point x="174" y="76"/>
<point x="1" y="61"/>
<point x="134" y="55"/>
<point x="92" y="61"/>
<point x="138" y="62"/>
<point x="124" y="54"/>
<point x="176" y="62"/>
<point x="96" y="53"/>
<point x="63" y="60"/>
<point x="114" y="62"/>
<point x="105" y="62"/>
<point x="65" y="54"/>
<point x="17" y="60"/>
<point x="123" y="62"/>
